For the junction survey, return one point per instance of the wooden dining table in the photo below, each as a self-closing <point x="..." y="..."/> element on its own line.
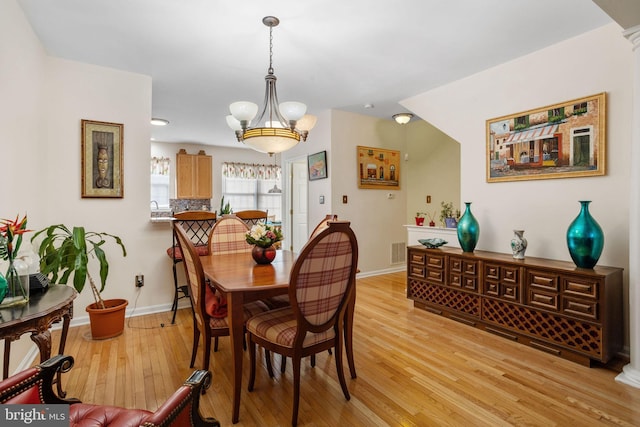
<point x="241" y="280"/>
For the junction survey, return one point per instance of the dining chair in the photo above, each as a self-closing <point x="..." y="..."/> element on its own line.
<point x="228" y="236"/>
<point x="320" y="285"/>
<point x="322" y="225"/>
<point x="252" y="217"/>
<point x="209" y="313"/>
<point x="198" y="225"/>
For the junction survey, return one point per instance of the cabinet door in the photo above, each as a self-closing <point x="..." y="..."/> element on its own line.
<point x="203" y="178"/>
<point x="185" y="176"/>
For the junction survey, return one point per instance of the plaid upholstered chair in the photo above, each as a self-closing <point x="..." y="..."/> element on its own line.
<point x="209" y="309"/>
<point x="228" y="236"/>
<point x="320" y="286"/>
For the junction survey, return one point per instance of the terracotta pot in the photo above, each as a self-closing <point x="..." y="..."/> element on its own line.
<point x="107" y="322"/>
<point x="419" y="221"/>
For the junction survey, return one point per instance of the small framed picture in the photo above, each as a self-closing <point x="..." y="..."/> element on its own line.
<point x="102" y="159"/>
<point x="317" y="165"/>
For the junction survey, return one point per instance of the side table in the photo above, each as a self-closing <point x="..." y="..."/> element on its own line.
<point x="37" y="316"/>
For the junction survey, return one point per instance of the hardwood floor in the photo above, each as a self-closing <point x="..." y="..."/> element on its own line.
<point x="414" y="369"/>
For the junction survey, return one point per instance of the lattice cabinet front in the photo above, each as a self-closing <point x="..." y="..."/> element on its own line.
<point x="550" y="305"/>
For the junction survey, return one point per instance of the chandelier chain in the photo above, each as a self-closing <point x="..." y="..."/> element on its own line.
<point x="270" y="50"/>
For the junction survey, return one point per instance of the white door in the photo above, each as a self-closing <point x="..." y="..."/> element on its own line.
<point x="298" y="211"/>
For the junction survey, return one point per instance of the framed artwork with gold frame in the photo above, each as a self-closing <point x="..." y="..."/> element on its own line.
<point x="378" y="168"/>
<point x="102" y="156"/>
<point x="557" y="141"/>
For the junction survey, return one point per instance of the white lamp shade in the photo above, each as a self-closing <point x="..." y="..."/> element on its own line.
<point x="243" y="110"/>
<point x="233" y="123"/>
<point x="307" y="122"/>
<point x="292" y="110"/>
<point x="270" y="144"/>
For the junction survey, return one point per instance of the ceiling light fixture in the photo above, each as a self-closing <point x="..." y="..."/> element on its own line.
<point x="159" y="122"/>
<point x="278" y="127"/>
<point x="402" y="118"/>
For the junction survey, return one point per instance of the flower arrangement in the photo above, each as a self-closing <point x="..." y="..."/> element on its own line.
<point x="12" y="291"/>
<point x="9" y="229"/>
<point x="263" y="235"/>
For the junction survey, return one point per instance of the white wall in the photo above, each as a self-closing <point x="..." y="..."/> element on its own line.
<point x="598" y="61"/>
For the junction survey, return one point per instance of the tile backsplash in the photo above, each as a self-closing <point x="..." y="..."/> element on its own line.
<point x="179" y="205"/>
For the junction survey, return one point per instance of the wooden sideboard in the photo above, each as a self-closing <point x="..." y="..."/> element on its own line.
<point x="550" y="305"/>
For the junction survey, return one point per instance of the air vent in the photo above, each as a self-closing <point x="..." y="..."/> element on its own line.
<point x="398" y="252"/>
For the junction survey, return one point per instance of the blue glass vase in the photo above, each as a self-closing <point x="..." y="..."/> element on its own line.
<point x="468" y="230"/>
<point x="585" y="238"/>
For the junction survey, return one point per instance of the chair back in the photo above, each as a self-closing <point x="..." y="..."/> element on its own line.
<point x="322" y="278"/>
<point x="228" y="236"/>
<point x="323" y="224"/>
<point x="194" y="274"/>
<point x="252" y="217"/>
<point x="197" y="225"/>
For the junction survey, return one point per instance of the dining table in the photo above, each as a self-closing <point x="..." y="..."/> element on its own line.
<point x="241" y="280"/>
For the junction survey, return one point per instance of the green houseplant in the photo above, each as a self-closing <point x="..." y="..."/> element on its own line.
<point x="448" y="217"/>
<point x="65" y="252"/>
<point x="225" y="209"/>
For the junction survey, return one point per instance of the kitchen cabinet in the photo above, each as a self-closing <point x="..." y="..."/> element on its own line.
<point x="193" y="175"/>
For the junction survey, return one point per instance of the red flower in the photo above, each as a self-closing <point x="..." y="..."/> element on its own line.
<point x="9" y="229"/>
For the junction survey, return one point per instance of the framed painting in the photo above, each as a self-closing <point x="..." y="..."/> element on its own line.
<point x="317" y="165"/>
<point x="378" y="169"/>
<point x="102" y="159"/>
<point x="563" y="140"/>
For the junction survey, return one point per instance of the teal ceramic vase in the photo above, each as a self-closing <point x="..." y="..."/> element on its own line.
<point x="468" y="230"/>
<point x="585" y="238"/>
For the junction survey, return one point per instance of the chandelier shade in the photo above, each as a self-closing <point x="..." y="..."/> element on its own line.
<point x="402" y="118"/>
<point x="276" y="127"/>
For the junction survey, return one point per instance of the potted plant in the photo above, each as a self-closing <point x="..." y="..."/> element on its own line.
<point x="225" y="209"/>
<point x="449" y="217"/>
<point x="420" y="218"/>
<point x="64" y="252"/>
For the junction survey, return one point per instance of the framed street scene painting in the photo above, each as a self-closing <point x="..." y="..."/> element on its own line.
<point x="378" y="169"/>
<point x="557" y="141"/>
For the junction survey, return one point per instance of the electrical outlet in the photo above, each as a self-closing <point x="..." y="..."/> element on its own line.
<point x="139" y="280"/>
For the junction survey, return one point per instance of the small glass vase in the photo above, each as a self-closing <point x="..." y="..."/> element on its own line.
<point x="16" y="294"/>
<point x="263" y="255"/>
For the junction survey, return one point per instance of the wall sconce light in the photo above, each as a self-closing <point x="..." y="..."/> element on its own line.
<point x="402" y="118"/>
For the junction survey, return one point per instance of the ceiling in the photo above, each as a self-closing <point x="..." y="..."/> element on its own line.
<point x="330" y="54"/>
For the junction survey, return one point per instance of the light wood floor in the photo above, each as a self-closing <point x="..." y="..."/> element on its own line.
<point x="414" y="369"/>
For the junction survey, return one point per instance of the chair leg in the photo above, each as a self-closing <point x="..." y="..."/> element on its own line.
<point x="215" y="344"/>
<point x="207" y="350"/>
<point x="296" y="390"/>
<point x="174" y="307"/>
<point x="252" y="364"/>
<point x="340" y="368"/>
<point x="313" y="360"/>
<point x="267" y="359"/>
<point x="196" y="340"/>
<point x="283" y="364"/>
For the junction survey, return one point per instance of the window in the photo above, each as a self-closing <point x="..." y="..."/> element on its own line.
<point x="160" y="182"/>
<point x="247" y="186"/>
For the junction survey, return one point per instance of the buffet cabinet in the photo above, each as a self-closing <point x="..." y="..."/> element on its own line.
<point x="550" y="305"/>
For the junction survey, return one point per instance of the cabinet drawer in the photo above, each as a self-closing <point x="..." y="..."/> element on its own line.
<point x="417" y="258"/>
<point x="491" y="288"/>
<point x="463" y="281"/>
<point x="510" y="275"/>
<point x="578" y="307"/>
<point x="492" y="272"/>
<point x="418" y="271"/>
<point x="543" y="299"/>
<point x="434" y="261"/>
<point x="435" y="276"/>
<point x="543" y="280"/>
<point x="510" y="292"/>
<point x="580" y="287"/>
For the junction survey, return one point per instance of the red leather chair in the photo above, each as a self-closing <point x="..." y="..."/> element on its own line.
<point x="34" y="386"/>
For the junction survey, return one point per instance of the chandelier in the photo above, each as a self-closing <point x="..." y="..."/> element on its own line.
<point x="278" y="127"/>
